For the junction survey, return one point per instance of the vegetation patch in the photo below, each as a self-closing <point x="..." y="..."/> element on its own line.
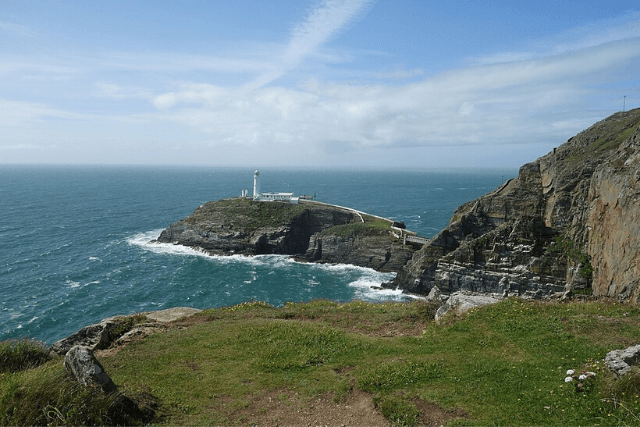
<point x="19" y="354"/>
<point x="246" y="214"/>
<point x="371" y="226"/>
<point x="126" y="324"/>
<point x="503" y="364"/>
<point x="46" y="396"/>
<point x="570" y="250"/>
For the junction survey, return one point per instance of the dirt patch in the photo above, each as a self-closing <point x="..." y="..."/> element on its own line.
<point x="287" y="408"/>
<point x="433" y="415"/>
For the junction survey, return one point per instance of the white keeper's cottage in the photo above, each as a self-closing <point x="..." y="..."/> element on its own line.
<point x="268" y="197"/>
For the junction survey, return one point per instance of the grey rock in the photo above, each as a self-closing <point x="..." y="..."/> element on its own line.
<point x="434" y="294"/>
<point x="461" y="303"/>
<point x="621" y="361"/>
<point x="117" y="330"/>
<point x="94" y="337"/>
<point x="83" y="366"/>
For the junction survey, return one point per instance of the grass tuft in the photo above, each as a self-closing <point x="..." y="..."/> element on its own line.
<point x="398" y="410"/>
<point x="19" y="354"/>
<point x="46" y="396"/>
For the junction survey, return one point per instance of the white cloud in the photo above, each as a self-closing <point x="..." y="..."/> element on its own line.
<point x="15" y="113"/>
<point x="501" y="103"/>
<point x="529" y="97"/>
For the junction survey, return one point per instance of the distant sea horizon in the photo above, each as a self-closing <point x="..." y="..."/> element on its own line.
<point x="75" y="238"/>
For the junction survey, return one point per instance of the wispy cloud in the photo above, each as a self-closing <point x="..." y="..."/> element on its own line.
<point x="626" y="27"/>
<point x="323" y="23"/>
<point x="116" y="91"/>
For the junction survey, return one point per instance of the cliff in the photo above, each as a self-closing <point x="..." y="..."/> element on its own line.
<point x="569" y="220"/>
<point x="310" y="231"/>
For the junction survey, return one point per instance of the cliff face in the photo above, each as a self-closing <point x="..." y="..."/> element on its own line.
<point x="310" y="231"/>
<point x="569" y="218"/>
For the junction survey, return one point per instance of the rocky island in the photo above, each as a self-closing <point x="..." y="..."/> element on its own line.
<point x="310" y="231"/>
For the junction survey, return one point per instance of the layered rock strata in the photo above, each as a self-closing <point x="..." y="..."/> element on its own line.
<point x="570" y="220"/>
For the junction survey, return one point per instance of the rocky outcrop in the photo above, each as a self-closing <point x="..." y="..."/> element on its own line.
<point x="120" y="330"/>
<point x="569" y="220"/>
<point x="621" y="361"/>
<point x="93" y="337"/>
<point x="378" y="251"/>
<point x="311" y="231"/>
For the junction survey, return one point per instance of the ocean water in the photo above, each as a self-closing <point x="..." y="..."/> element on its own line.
<point x="74" y="240"/>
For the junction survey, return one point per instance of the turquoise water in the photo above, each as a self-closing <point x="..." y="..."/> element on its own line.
<point x="74" y="240"/>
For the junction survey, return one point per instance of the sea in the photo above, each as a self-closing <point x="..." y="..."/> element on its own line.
<point x="75" y="240"/>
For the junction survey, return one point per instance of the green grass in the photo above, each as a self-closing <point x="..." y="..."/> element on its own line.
<point x="17" y="355"/>
<point x="372" y="226"/>
<point x="611" y="134"/>
<point x="503" y="364"/>
<point x="247" y="214"/>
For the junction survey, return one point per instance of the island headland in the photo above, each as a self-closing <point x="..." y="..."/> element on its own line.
<point x="310" y="231"/>
<point x="568" y="223"/>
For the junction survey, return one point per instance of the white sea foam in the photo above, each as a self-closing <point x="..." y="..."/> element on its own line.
<point x="144" y="240"/>
<point x="72" y="284"/>
<point x="367" y="289"/>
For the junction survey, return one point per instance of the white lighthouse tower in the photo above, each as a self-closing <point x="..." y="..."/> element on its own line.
<point x="256" y="184"/>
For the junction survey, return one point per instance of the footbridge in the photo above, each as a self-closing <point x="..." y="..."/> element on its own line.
<point x="415" y="239"/>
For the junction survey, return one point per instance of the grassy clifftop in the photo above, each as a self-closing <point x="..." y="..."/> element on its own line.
<point x="245" y="213"/>
<point x="322" y="362"/>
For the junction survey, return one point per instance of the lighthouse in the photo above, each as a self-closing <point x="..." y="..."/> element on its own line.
<point x="256" y="184"/>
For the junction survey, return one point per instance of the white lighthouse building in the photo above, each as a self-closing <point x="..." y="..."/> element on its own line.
<point x="256" y="184"/>
<point x="270" y="197"/>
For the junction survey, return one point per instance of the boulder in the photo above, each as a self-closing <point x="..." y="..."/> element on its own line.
<point x="83" y="366"/>
<point x="621" y="361"/>
<point x="434" y="294"/>
<point x="462" y="302"/>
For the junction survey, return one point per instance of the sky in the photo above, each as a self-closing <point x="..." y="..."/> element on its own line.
<point x="310" y="83"/>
